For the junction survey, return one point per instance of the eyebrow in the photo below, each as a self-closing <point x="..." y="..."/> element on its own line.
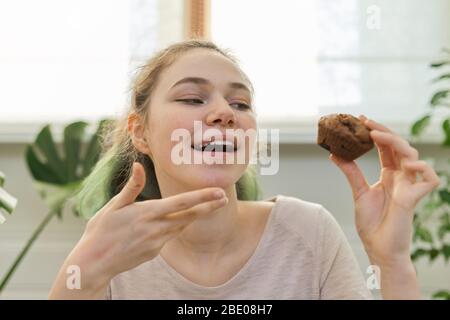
<point x="203" y="81"/>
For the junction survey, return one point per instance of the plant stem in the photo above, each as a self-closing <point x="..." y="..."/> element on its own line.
<point x="25" y="249"/>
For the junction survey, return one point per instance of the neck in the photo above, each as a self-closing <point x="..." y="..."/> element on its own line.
<point x="216" y="232"/>
<point x="211" y="235"/>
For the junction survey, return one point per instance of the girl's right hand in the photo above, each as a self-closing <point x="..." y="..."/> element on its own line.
<point x="124" y="233"/>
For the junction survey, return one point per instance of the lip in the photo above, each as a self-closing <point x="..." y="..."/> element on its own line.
<point x="233" y="141"/>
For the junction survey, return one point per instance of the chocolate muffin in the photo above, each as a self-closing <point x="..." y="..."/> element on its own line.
<point x="344" y="136"/>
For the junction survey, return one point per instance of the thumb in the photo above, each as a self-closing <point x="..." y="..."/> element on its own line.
<point x="132" y="188"/>
<point x="354" y="175"/>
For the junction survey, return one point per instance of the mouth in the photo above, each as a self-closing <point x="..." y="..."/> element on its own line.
<point x="216" y="146"/>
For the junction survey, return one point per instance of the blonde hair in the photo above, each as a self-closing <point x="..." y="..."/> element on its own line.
<point x="114" y="168"/>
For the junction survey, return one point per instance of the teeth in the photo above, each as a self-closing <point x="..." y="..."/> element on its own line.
<point x="225" y="146"/>
<point x="220" y="143"/>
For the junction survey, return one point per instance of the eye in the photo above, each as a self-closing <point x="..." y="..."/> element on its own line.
<point x="191" y="101"/>
<point x="240" y="106"/>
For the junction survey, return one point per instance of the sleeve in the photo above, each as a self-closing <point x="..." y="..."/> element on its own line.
<point x="340" y="276"/>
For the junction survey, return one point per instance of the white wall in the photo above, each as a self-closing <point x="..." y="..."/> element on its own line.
<point x="305" y="172"/>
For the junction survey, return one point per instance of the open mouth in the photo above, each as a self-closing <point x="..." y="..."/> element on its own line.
<point x="216" y="146"/>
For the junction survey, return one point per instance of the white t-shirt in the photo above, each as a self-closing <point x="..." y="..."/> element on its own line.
<point x="302" y="254"/>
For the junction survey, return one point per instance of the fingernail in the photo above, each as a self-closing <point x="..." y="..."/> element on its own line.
<point x="219" y="194"/>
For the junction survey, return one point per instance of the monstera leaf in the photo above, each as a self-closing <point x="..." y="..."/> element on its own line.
<point x="7" y="202"/>
<point x="58" y="170"/>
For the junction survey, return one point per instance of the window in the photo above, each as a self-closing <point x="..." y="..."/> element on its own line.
<point x="308" y="58"/>
<point x="72" y="59"/>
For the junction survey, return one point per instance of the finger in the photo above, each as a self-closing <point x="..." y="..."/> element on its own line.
<point x="430" y="178"/>
<point x="386" y="156"/>
<point x="362" y="118"/>
<point x="203" y="209"/>
<point x="181" y="201"/>
<point x="132" y="188"/>
<point x="354" y="176"/>
<point x="398" y="144"/>
<point x="373" y="125"/>
<point x="178" y="220"/>
<point x="189" y="215"/>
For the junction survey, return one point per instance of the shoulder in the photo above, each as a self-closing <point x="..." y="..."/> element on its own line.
<point x="294" y="218"/>
<point x="294" y="211"/>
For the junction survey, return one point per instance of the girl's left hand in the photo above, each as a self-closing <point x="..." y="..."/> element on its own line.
<point x="385" y="210"/>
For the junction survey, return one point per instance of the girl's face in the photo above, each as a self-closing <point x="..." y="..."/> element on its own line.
<point x="205" y="87"/>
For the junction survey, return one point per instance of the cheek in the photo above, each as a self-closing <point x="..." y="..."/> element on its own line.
<point x="163" y="121"/>
<point x="160" y="138"/>
<point x="247" y="121"/>
<point x="180" y="121"/>
<point x="174" y="117"/>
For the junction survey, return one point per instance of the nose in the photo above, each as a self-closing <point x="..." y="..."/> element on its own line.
<point x="221" y="114"/>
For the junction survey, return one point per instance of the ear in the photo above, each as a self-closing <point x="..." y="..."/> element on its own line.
<point x="136" y="130"/>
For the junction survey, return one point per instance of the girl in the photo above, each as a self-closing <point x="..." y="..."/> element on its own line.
<point x="162" y="230"/>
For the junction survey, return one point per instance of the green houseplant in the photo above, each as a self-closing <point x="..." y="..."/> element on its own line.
<point x="7" y="202"/>
<point x="432" y="220"/>
<point x="58" y="170"/>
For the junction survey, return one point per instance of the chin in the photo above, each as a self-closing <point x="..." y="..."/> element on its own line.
<point x="204" y="176"/>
